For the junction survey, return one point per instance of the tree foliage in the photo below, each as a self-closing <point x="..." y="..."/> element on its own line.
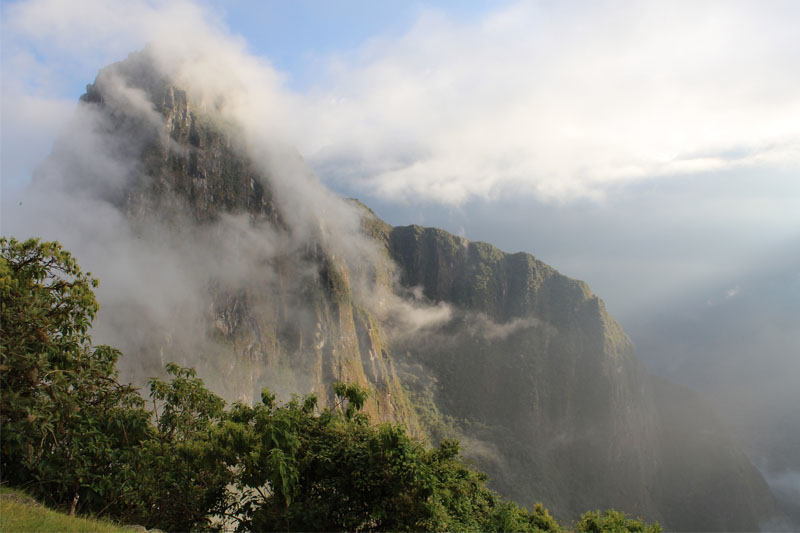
<point x="71" y="433"/>
<point x="333" y="471"/>
<point x="76" y="437"/>
<point x="180" y="471"/>
<point x="68" y="424"/>
<point x="613" y="521"/>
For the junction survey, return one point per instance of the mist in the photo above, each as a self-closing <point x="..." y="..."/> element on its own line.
<point x="172" y="278"/>
<point x="738" y="343"/>
<point x="652" y="152"/>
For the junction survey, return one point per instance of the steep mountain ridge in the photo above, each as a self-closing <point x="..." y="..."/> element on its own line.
<point x="561" y="377"/>
<point x="293" y="290"/>
<point x="534" y="369"/>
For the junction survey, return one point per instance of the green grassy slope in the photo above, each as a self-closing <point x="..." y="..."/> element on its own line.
<point x="21" y="513"/>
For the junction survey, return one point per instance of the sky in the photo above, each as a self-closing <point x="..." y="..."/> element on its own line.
<point x="651" y="149"/>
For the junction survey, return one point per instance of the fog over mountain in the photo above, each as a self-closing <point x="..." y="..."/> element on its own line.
<point x="652" y="151"/>
<point x="740" y="347"/>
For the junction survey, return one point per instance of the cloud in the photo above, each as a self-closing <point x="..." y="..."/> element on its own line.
<point x="48" y="44"/>
<point x="553" y="100"/>
<point x="190" y="46"/>
<point x="561" y="100"/>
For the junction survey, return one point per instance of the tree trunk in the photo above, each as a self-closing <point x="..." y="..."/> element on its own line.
<point x="74" y="499"/>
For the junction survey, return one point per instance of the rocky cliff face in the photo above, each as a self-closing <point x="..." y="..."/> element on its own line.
<point x="546" y="391"/>
<point x="455" y="338"/>
<point x="536" y="365"/>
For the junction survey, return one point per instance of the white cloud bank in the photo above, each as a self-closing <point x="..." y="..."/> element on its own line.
<point x="558" y="100"/>
<point x="563" y="99"/>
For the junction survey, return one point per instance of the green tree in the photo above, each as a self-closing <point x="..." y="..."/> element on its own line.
<point x="333" y="471"/>
<point x="613" y="522"/>
<point x="181" y="472"/>
<point x="71" y="433"/>
<point x="68" y="424"/>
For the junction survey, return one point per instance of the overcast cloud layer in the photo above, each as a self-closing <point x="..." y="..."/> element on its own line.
<point x="563" y="100"/>
<point x="553" y="100"/>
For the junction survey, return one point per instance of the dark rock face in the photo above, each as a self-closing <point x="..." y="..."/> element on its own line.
<point x="553" y="402"/>
<point x="527" y="368"/>
<point x="188" y="162"/>
<point x="536" y="361"/>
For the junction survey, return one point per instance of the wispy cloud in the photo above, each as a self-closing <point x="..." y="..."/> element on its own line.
<point x="562" y="100"/>
<point x="164" y="278"/>
<point x="555" y="100"/>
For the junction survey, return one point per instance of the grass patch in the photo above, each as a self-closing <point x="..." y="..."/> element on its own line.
<point x="21" y="513"/>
